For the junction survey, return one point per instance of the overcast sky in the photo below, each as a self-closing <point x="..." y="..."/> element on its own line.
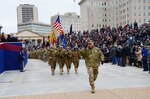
<point x="46" y="9"/>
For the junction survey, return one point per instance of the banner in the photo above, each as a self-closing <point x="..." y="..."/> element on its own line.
<point x="9" y="56"/>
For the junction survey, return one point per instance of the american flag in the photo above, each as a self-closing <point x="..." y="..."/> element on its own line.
<point x="58" y="27"/>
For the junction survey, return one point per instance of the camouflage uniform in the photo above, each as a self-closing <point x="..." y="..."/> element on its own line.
<point x="44" y="55"/>
<point x="75" y="58"/>
<point x="52" y="59"/>
<point x="30" y="55"/>
<point x="39" y="54"/>
<point x="68" y="60"/>
<point x="61" y="58"/>
<point x="35" y="55"/>
<point x="92" y="57"/>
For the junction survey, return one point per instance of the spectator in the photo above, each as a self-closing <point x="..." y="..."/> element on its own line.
<point x="139" y="57"/>
<point x="3" y="39"/>
<point x="145" y="58"/>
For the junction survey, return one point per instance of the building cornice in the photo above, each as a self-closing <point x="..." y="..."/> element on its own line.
<point x="30" y="31"/>
<point x="81" y="2"/>
<point x="34" y="23"/>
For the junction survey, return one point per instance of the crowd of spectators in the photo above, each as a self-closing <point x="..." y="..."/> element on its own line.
<point x="106" y="37"/>
<point x="121" y="46"/>
<point x="8" y="39"/>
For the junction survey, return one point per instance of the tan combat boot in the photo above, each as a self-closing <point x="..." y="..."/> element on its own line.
<point x="76" y="71"/>
<point x="92" y="88"/>
<point x="53" y="72"/>
<point x="60" y="71"/>
<point x="67" y="70"/>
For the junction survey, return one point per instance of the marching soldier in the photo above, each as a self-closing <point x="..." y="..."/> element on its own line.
<point x="75" y="58"/>
<point x="44" y="55"/>
<point x="93" y="56"/>
<point x="68" y="58"/>
<point x="52" y="55"/>
<point x="61" y="58"/>
<point x="39" y="54"/>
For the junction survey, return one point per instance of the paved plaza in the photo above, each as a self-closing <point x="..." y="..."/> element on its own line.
<point x="113" y="82"/>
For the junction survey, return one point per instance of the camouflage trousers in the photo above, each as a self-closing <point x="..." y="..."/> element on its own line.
<point x="68" y="64"/>
<point x="61" y="64"/>
<point x="76" y="64"/>
<point x="53" y="64"/>
<point x="93" y="73"/>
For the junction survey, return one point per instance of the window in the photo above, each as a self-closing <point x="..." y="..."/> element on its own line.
<point x="146" y="1"/>
<point x="149" y="14"/>
<point x="139" y="20"/>
<point x="124" y="22"/>
<point x="127" y="2"/>
<point x="134" y="14"/>
<point x="99" y="25"/>
<point x="149" y="7"/>
<point x="139" y="7"/>
<point x="92" y="25"/>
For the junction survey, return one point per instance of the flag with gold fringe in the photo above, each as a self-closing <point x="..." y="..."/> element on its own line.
<point x="52" y="39"/>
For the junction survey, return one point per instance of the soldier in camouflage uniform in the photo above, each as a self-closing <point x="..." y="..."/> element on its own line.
<point x="35" y="54"/>
<point x="30" y="55"/>
<point x="39" y="54"/>
<point x="44" y="55"/>
<point x="61" y="58"/>
<point x="52" y="59"/>
<point x="75" y="58"/>
<point x="68" y="58"/>
<point x="93" y="56"/>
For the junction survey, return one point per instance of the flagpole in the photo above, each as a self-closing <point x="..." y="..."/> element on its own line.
<point x="57" y="26"/>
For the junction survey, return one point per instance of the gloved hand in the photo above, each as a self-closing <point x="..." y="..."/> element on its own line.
<point x="102" y="62"/>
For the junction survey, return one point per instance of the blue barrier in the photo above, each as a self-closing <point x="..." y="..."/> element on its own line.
<point x="9" y="56"/>
<point x="2" y="68"/>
